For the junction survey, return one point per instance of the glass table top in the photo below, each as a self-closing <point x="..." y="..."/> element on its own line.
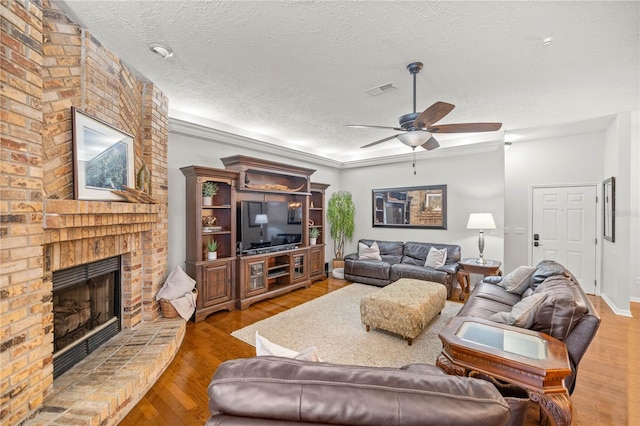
<point x="509" y="341"/>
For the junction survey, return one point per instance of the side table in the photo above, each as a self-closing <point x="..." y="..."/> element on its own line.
<point x="534" y="361"/>
<point x="470" y="266"/>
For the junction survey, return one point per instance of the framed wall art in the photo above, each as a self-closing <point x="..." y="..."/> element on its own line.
<point x="102" y="159"/>
<point x="411" y="207"/>
<point x="609" y="209"/>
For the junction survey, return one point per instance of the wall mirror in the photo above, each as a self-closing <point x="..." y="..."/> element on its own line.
<point x="411" y="207"/>
<point x="609" y="206"/>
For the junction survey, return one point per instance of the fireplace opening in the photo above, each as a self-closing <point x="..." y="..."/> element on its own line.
<point x="86" y="310"/>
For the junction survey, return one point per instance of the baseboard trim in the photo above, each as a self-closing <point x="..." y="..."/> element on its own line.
<point x="614" y="308"/>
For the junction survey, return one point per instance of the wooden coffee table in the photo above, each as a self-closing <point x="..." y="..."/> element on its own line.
<point x="534" y="361"/>
<point x="471" y="266"/>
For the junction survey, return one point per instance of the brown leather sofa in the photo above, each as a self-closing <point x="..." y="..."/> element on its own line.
<point x="402" y="260"/>
<point x="282" y="391"/>
<point x="565" y="312"/>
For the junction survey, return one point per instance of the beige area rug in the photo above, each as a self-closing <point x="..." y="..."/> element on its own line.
<point x="332" y="324"/>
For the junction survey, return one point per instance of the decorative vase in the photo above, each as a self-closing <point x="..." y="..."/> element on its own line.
<point x="212" y="255"/>
<point x="312" y="241"/>
<point x="207" y="201"/>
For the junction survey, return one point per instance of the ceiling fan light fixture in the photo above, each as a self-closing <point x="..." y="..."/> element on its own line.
<point x="414" y="138"/>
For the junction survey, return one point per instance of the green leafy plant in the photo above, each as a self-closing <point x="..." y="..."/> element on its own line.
<point x="212" y="245"/>
<point x="314" y="232"/>
<point x="341" y="215"/>
<point x="209" y="189"/>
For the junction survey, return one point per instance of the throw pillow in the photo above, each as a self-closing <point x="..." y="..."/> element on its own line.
<point x="176" y="285"/>
<point x="371" y="253"/>
<point x="264" y="347"/>
<point x="517" y="281"/>
<point x="522" y="313"/>
<point x="436" y="258"/>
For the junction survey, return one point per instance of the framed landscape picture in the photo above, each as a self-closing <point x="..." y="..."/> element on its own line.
<point x="102" y="158"/>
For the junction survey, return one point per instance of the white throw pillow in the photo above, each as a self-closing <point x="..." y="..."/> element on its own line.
<point x="264" y="347"/>
<point x="522" y="313"/>
<point x="436" y="258"/>
<point x="371" y="253"/>
<point x="517" y="281"/>
<point x="176" y="285"/>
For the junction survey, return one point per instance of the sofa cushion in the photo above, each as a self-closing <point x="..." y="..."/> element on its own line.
<point x="546" y="269"/>
<point x="562" y="309"/>
<point x="436" y="258"/>
<point x="496" y="293"/>
<point x="286" y="389"/>
<point x="522" y="314"/>
<point x="369" y="252"/>
<point x="367" y="268"/>
<point x="390" y="251"/>
<point x="265" y="347"/>
<point x="415" y="253"/>
<point x="176" y="285"/>
<point x="517" y="281"/>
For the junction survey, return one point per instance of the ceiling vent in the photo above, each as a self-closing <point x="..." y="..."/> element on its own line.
<point x="379" y="90"/>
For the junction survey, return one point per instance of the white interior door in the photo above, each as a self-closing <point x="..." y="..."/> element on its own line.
<point x="564" y="230"/>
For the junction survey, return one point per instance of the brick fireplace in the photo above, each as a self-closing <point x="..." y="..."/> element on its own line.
<point x="50" y="64"/>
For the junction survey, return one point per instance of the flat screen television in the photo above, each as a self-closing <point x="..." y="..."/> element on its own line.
<point x="270" y="225"/>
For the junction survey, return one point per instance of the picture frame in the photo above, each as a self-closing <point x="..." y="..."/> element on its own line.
<point x="411" y="207"/>
<point x="609" y="209"/>
<point x="103" y="158"/>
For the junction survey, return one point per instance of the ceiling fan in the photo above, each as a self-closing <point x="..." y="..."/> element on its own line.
<point x="418" y="128"/>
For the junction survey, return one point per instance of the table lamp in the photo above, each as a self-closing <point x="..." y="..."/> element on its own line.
<point x="261" y="219"/>
<point x="481" y="221"/>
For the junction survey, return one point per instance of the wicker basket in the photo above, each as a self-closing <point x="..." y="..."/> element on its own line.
<point x="168" y="311"/>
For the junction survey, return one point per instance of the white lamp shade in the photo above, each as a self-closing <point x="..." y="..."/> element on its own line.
<point x="261" y="219"/>
<point x="414" y="138"/>
<point x="481" y="221"/>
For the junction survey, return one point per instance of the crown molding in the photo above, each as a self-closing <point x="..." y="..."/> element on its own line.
<point x="199" y="131"/>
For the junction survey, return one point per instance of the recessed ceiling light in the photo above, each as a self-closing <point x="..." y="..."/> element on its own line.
<point x="161" y="49"/>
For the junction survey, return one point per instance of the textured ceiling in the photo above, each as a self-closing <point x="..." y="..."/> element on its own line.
<point x="294" y="73"/>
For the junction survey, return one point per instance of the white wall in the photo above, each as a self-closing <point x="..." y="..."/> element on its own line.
<point x="475" y="183"/>
<point x="575" y="159"/>
<point x="190" y="150"/>
<point x="620" y="259"/>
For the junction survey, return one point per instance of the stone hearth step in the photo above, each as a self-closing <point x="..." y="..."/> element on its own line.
<point x="103" y="387"/>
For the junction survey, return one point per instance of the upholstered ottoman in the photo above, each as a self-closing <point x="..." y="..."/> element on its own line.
<point x="404" y="307"/>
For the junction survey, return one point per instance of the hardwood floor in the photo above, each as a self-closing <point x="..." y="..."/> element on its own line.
<point x="607" y="391"/>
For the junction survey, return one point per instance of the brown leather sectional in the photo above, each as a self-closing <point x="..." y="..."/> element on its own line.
<point x="565" y="314"/>
<point x="402" y="260"/>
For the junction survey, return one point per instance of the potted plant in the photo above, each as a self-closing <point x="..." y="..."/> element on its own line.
<point x="314" y="233"/>
<point x="341" y="215"/>
<point x="212" y="246"/>
<point x="209" y="190"/>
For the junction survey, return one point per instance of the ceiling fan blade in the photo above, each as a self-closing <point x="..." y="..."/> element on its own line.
<point x="432" y="143"/>
<point x="465" y="128"/>
<point x="380" y="141"/>
<point x="433" y="114"/>
<point x="365" y="126"/>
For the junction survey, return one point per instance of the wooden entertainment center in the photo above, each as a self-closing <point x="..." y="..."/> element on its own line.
<point x="238" y="278"/>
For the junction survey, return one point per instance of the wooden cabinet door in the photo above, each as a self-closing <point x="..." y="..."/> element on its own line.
<point x="316" y="254"/>
<point x="299" y="270"/>
<point x="217" y="286"/>
<point x="256" y="277"/>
